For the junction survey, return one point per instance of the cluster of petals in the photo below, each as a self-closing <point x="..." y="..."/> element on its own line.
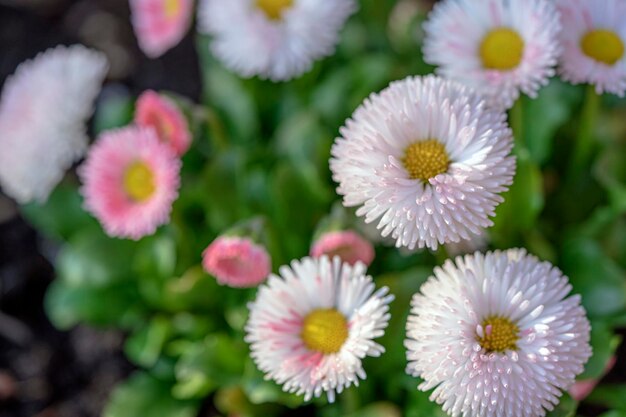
<point x="579" y="18"/>
<point x="367" y="161"/>
<point x="275" y="326"/>
<point x="252" y="43"/>
<point x="456" y="29"/>
<point x="104" y="176"/>
<point x="447" y="322"/>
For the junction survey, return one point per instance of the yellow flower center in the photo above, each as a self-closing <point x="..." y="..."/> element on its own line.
<point x="172" y="8"/>
<point x="274" y="8"/>
<point x="603" y="46"/>
<point x="325" y="330"/>
<point x="139" y="181"/>
<point x="426" y="159"/>
<point x="500" y="334"/>
<point x="502" y="49"/>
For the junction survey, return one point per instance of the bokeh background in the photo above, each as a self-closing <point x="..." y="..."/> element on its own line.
<point x="45" y="372"/>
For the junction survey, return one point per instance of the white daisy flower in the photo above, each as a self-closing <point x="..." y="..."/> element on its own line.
<point x="593" y="39"/>
<point x="43" y="113"/>
<point x="498" y="47"/>
<point x="495" y="335"/>
<point x="426" y="156"/>
<point x="310" y="328"/>
<point x="275" y="39"/>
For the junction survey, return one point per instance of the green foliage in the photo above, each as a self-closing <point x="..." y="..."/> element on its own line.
<point x="144" y="395"/>
<point x="262" y="149"/>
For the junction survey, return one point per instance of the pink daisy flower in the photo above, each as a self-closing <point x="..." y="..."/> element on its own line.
<point x="130" y="181"/>
<point x="237" y="262"/>
<point x="593" y="39"/>
<point x="347" y="244"/>
<point x="160" y="24"/>
<point x="158" y="112"/>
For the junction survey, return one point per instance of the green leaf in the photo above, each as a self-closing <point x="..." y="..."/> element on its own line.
<point x="143" y="395"/>
<point x="610" y="396"/>
<point x="610" y="171"/>
<point x="115" y="109"/>
<point x="155" y="257"/>
<point x="93" y="259"/>
<point x="67" y="304"/>
<point x="419" y="405"/>
<point x="144" y="346"/>
<point x="226" y="92"/>
<point x="62" y="215"/>
<point x="216" y="361"/>
<point x="544" y="115"/>
<point x="595" y="276"/>
<point x="522" y="203"/>
<point x="604" y="343"/>
<point x="403" y="285"/>
<point x="566" y="408"/>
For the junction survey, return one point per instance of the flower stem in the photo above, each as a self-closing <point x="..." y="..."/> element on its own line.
<point x="584" y="141"/>
<point x="516" y="117"/>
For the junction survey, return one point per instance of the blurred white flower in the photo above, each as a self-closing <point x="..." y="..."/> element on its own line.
<point x="494" y="335"/>
<point x="593" y="39"/>
<point x="426" y="156"/>
<point x="43" y="113"/>
<point x="275" y="39"/>
<point x="311" y="327"/>
<point x="498" y="47"/>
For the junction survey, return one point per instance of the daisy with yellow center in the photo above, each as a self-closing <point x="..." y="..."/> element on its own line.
<point x="427" y="159"/>
<point x="496" y="335"/>
<point x="273" y="39"/>
<point x="310" y="328"/>
<point x="130" y="181"/>
<point x="593" y="39"/>
<point x="498" y="47"/>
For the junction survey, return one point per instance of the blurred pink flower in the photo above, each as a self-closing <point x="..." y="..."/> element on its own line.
<point x="130" y="181"/>
<point x="160" y="24"/>
<point x="347" y="244"/>
<point x="236" y="262"/>
<point x="581" y="389"/>
<point x="160" y="113"/>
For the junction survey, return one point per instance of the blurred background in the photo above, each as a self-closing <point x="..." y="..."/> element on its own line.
<point x="45" y="372"/>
